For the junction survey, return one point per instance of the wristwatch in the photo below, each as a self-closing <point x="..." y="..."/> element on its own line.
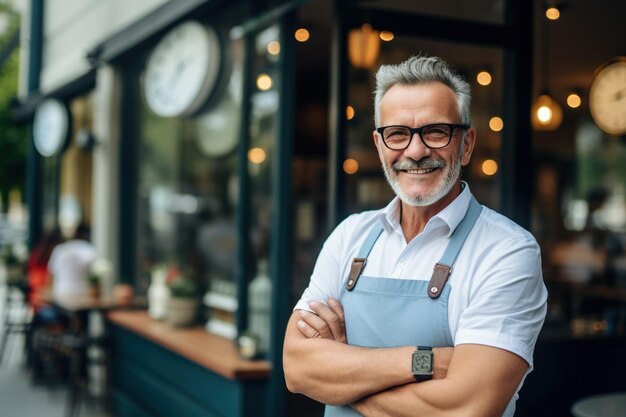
<point x="422" y="363"/>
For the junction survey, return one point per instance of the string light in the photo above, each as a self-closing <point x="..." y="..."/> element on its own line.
<point x="256" y="155"/>
<point x="273" y="47"/>
<point x="350" y="112"/>
<point x="264" y="82"/>
<point x="386" y="36"/>
<point x="302" y="35"/>
<point x="574" y="100"/>
<point x="496" y="124"/>
<point x="553" y="13"/>
<point x="489" y="167"/>
<point x="483" y="78"/>
<point x="350" y="166"/>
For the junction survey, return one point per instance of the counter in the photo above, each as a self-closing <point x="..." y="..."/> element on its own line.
<point x="158" y="370"/>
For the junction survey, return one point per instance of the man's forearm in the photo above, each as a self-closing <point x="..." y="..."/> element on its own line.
<point x="481" y="382"/>
<point x="336" y="373"/>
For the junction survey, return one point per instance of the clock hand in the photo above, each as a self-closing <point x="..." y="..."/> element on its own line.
<point x="619" y="95"/>
<point x="173" y="81"/>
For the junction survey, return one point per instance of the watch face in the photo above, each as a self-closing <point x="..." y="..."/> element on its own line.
<point x="182" y="70"/>
<point x="50" y="127"/>
<point x="422" y="362"/>
<point x="607" y="97"/>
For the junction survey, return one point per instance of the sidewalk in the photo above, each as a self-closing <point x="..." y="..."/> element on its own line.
<point x="19" y="397"/>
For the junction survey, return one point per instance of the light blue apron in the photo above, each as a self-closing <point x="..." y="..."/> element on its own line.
<point x="389" y="312"/>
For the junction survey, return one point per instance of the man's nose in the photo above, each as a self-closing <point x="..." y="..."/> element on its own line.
<point x="417" y="149"/>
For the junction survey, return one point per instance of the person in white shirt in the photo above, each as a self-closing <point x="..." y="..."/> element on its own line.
<point x="70" y="263"/>
<point x="432" y="276"/>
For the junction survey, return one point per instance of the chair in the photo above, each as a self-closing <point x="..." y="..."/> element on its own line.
<point x="16" y="314"/>
<point x="77" y="343"/>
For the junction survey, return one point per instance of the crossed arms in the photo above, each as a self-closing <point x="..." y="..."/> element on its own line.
<point x="469" y="380"/>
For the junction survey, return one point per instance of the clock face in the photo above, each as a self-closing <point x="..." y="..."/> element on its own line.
<point x="50" y="127"/>
<point x="182" y="70"/>
<point x="422" y="362"/>
<point x="607" y="97"/>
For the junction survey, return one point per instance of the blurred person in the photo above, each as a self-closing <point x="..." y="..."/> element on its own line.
<point x="70" y="264"/>
<point x="37" y="266"/>
<point x="372" y="335"/>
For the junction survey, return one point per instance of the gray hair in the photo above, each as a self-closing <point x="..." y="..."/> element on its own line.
<point x="423" y="69"/>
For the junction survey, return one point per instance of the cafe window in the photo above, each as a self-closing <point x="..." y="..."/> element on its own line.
<point x="580" y="220"/>
<point x="188" y="187"/>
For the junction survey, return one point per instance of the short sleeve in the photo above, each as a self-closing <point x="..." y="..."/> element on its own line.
<point x="507" y="305"/>
<point x="326" y="277"/>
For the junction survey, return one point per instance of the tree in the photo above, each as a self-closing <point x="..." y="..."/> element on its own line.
<point x="13" y="139"/>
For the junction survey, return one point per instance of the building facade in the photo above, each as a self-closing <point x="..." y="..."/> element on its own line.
<point x="222" y="141"/>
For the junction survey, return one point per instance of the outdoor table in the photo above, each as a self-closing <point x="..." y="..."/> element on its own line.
<point x="602" y="405"/>
<point x="78" y="338"/>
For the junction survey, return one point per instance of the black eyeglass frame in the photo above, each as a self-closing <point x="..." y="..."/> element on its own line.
<point x="418" y="130"/>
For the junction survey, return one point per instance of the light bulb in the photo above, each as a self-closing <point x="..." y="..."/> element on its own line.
<point x="553" y="13"/>
<point x="544" y="114"/>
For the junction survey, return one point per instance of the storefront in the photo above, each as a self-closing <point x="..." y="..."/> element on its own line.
<point x="226" y="139"/>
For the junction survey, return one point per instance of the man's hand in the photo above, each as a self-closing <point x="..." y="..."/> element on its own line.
<point x="328" y="322"/>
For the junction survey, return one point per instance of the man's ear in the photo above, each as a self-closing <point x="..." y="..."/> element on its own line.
<point x="470" y="141"/>
<point x="378" y="142"/>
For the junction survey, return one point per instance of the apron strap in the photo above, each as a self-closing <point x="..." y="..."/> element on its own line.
<point x="443" y="268"/>
<point x="358" y="263"/>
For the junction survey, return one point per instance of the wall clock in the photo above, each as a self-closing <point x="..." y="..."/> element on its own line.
<point x="607" y="97"/>
<point x="182" y="70"/>
<point x="51" y="127"/>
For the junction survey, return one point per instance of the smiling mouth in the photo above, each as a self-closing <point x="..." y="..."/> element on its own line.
<point x="420" y="171"/>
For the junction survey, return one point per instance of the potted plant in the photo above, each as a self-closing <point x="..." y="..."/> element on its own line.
<point x="99" y="271"/>
<point x="93" y="288"/>
<point x="13" y="265"/>
<point x="182" y="304"/>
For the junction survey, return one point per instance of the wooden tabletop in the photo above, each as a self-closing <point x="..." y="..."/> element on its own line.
<point x="213" y="352"/>
<point x="75" y="304"/>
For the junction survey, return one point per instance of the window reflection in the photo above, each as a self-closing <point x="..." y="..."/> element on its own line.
<point x="581" y="220"/>
<point x="263" y="131"/>
<point x="188" y="186"/>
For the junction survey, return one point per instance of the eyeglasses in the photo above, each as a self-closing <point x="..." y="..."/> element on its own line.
<point x="435" y="136"/>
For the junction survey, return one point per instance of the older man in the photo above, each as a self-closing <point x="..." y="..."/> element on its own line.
<point x="432" y="305"/>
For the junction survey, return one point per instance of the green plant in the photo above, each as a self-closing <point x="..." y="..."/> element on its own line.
<point x="93" y="279"/>
<point x="8" y="256"/>
<point x="183" y="287"/>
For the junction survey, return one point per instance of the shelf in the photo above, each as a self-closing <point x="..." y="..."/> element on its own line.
<point x="213" y="352"/>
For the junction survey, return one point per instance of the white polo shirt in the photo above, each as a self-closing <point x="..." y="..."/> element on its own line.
<point x="497" y="296"/>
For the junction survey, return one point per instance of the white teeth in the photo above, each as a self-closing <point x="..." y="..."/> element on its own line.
<point x="420" y="171"/>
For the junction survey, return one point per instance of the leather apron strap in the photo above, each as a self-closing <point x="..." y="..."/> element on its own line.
<point x="442" y="269"/>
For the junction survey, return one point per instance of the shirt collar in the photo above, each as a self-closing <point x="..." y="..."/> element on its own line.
<point x="451" y="215"/>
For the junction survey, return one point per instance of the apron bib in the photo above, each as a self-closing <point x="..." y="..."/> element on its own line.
<point x="387" y="312"/>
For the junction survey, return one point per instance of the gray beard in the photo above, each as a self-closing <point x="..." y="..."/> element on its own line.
<point x="423" y="200"/>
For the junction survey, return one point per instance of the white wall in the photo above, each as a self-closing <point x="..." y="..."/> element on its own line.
<point x="74" y="27"/>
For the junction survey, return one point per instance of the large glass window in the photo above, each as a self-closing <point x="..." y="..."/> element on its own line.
<point x="580" y="219"/>
<point x="263" y="131"/>
<point x="188" y="188"/>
